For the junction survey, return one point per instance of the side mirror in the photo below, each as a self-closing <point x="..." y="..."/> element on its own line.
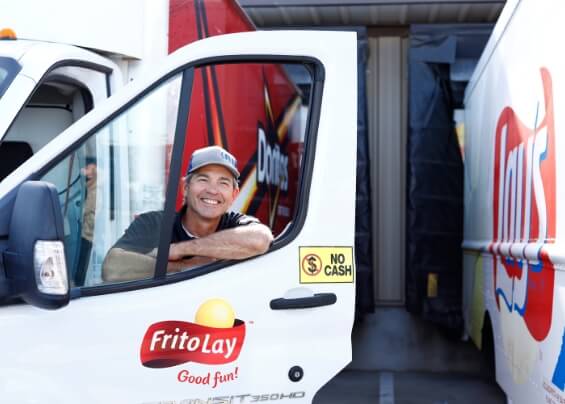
<point x="35" y="257"/>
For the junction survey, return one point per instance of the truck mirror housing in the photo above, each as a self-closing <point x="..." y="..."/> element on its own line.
<point x="35" y="258"/>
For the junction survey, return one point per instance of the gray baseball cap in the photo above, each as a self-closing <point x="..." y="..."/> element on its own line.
<point x="213" y="155"/>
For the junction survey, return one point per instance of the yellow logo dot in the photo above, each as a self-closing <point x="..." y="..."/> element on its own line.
<point x="215" y="313"/>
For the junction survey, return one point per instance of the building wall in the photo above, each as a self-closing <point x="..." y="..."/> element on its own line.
<point x="387" y="115"/>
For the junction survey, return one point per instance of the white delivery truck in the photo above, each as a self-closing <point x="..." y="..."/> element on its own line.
<point x="514" y="283"/>
<point x="289" y="312"/>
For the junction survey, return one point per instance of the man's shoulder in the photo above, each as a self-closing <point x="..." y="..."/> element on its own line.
<point x="147" y="220"/>
<point x="150" y="216"/>
<point x="142" y="235"/>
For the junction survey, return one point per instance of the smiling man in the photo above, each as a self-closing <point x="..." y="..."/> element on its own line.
<point x="204" y="229"/>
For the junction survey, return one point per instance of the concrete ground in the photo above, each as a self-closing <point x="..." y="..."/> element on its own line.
<point x="400" y="359"/>
<point x="373" y="387"/>
<point x="393" y="339"/>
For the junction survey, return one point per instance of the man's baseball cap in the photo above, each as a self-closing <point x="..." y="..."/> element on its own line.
<point x="213" y="155"/>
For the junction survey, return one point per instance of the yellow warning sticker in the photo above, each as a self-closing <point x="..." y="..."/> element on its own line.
<point x="326" y="265"/>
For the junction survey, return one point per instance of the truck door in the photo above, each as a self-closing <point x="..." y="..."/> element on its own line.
<point x="275" y="327"/>
<point x="55" y="86"/>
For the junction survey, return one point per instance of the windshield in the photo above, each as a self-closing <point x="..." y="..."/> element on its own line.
<point x="8" y="69"/>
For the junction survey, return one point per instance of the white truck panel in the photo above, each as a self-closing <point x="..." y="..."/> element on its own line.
<point x="91" y="24"/>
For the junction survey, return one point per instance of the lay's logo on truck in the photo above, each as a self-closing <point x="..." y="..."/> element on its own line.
<point x="524" y="213"/>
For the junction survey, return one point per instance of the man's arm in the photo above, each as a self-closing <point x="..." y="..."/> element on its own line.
<point x="235" y="243"/>
<point x="122" y="265"/>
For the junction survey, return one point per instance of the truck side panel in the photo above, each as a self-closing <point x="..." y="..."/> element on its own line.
<point x="513" y="198"/>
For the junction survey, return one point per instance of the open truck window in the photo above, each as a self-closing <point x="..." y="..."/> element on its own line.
<point x="258" y="112"/>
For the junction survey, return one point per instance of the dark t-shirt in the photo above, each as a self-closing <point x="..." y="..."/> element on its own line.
<point x="143" y="233"/>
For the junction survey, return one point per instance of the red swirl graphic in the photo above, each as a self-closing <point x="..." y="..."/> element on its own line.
<point x="524" y="210"/>
<point x="171" y="343"/>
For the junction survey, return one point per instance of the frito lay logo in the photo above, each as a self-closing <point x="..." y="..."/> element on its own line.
<point x="524" y="211"/>
<point x="215" y="338"/>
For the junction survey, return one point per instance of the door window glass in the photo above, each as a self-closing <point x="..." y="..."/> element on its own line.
<point x="118" y="174"/>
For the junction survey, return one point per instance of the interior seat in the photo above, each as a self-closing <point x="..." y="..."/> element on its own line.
<point x="12" y="155"/>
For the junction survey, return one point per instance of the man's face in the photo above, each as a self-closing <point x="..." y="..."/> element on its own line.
<point x="210" y="192"/>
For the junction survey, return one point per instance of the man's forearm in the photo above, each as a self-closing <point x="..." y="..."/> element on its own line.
<point x="189" y="263"/>
<point x="122" y="265"/>
<point x="237" y="243"/>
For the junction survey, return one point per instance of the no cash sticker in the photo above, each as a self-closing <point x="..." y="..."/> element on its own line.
<point x="326" y="265"/>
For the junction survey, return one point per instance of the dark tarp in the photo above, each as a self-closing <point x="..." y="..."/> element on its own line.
<point x="363" y="222"/>
<point x="435" y="175"/>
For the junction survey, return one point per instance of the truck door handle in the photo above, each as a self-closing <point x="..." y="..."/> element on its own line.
<point x="318" y="300"/>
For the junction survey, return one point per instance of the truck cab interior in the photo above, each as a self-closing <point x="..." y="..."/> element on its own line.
<point x="54" y="105"/>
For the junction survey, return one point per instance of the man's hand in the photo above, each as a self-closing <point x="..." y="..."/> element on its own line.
<point x="176" y="252"/>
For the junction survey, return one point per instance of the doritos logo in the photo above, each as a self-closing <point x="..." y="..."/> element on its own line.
<point x="524" y="212"/>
